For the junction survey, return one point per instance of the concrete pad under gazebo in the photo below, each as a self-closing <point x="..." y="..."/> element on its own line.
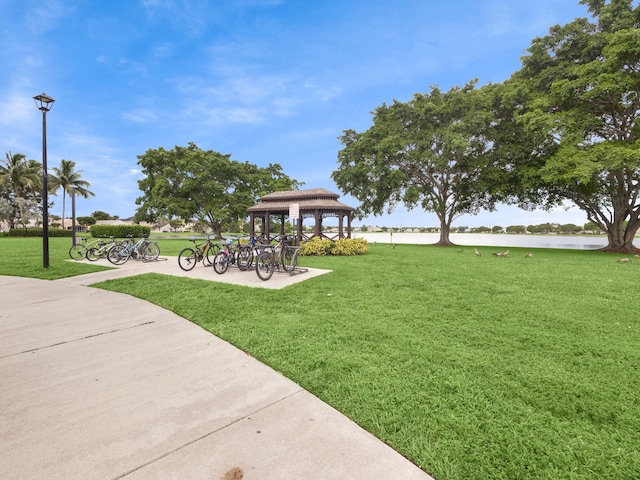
<point x="316" y="203"/>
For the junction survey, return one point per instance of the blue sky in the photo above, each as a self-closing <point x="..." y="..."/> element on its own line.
<point x="267" y="81"/>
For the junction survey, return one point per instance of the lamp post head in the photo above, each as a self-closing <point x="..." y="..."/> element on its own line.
<point x="44" y="102"/>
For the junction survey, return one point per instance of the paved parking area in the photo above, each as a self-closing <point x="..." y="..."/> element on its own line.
<point x="169" y="266"/>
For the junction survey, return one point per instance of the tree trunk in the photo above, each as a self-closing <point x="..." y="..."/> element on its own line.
<point x="445" y="229"/>
<point x="63" y="196"/>
<point x="12" y="220"/>
<point x="619" y="236"/>
<point x="620" y="239"/>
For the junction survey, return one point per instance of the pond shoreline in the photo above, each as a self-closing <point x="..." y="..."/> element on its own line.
<point x="573" y="242"/>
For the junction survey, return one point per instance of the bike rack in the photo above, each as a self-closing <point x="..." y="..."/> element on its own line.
<point x="159" y="259"/>
<point x="296" y="271"/>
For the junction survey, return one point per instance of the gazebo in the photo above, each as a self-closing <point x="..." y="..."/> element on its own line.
<point x="316" y="203"/>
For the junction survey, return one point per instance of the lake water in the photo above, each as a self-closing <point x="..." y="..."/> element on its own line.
<point x="576" y="242"/>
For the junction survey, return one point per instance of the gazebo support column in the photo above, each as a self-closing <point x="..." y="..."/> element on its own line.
<point x="267" y="228"/>
<point x="252" y="227"/>
<point x="349" y="225"/>
<point x="317" y="230"/>
<point x="299" y="230"/>
<point x="340" y="221"/>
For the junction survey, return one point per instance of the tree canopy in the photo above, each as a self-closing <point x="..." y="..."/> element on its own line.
<point x="86" y="221"/>
<point x="101" y="215"/>
<point x="576" y="103"/>
<point x="429" y="152"/>
<point x="188" y="182"/>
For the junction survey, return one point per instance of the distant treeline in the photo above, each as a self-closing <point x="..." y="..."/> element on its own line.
<point x="568" y="228"/>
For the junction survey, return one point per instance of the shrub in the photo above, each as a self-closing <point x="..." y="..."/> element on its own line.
<point x="37" y="232"/>
<point x="323" y="246"/>
<point x="317" y="246"/>
<point x="350" y="246"/>
<point x="119" y="231"/>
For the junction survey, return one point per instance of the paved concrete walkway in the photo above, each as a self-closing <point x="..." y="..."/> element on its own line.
<point x="101" y="385"/>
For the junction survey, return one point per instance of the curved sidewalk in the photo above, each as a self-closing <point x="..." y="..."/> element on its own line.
<point x="97" y="384"/>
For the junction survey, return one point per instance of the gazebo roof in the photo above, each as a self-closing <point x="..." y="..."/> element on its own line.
<point x="308" y="200"/>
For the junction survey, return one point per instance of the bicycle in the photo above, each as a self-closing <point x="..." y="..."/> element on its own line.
<point x="101" y="249"/>
<point x="79" y="252"/>
<point x="247" y="253"/>
<point x="225" y="258"/>
<point x="203" y="252"/>
<point x="147" y="251"/>
<point x="283" y="255"/>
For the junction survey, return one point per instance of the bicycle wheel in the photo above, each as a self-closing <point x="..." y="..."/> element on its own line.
<point x="150" y="252"/>
<point x="221" y="262"/>
<point x="289" y="259"/>
<point x="187" y="259"/>
<point x="252" y="254"/>
<point x="207" y="258"/>
<point x="244" y="258"/>
<point x="78" y="252"/>
<point x="118" y="255"/>
<point x="93" y="254"/>
<point x="265" y="265"/>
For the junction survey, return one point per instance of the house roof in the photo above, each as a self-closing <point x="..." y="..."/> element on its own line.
<point x="288" y="195"/>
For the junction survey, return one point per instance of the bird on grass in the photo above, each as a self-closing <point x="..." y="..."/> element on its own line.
<point x="528" y="254"/>
<point x="501" y="254"/>
<point x="475" y="250"/>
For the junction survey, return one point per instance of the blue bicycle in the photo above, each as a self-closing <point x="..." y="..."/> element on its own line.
<point x="142" y="249"/>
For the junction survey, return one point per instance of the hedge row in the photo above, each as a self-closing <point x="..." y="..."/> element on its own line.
<point x="37" y="232"/>
<point x="119" y="231"/>
<point x="323" y="246"/>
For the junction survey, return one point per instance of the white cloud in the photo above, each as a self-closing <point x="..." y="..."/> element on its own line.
<point x="151" y="4"/>
<point x="238" y="115"/>
<point x="258" y="3"/>
<point x="140" y="116"/>
<point x="16" y="109"/>
<point x="163" y="50"/>
<point x="189" y="17"/>
<point x="45" y="15"/>
<point x="132" y="66"/>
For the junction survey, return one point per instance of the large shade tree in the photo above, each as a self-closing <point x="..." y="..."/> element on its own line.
<point x="67" y="178"/>
<point x="431" y="152"/>
<point x="187" y="183"/>
<point x="576" y="104"/>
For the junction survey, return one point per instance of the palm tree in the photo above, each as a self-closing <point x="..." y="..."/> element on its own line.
<point x="19" y="174"/>
<point x="71" y="182"/>
<point x="19" y="179"/>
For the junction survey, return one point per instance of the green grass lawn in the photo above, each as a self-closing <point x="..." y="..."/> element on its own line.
<point x="23" y="257"/>
<point x="472" y="367"/>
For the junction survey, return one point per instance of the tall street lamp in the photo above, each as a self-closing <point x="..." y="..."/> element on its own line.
<point x="73" y="217"/>
<point x="44" y="104"/>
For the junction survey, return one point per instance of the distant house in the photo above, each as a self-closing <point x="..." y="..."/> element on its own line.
<point x="161" y="226"/>
<point x="113" y="222"/>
